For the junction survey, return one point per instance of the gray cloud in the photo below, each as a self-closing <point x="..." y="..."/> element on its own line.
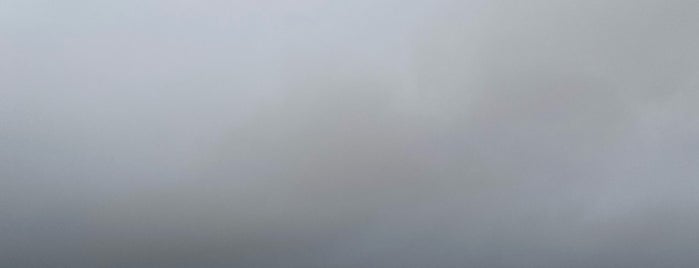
<point x="348" y="134"/>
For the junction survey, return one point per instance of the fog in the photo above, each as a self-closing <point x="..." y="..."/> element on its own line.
<point x="366" y="133"/>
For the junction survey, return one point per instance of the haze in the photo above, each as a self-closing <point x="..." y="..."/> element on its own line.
<point x="366" y="133"/>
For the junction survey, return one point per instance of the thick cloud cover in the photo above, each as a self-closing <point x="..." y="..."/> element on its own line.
<point x="368" y="133"/>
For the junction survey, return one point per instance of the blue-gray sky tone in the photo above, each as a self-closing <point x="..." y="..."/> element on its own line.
<point x="365" y="133"/>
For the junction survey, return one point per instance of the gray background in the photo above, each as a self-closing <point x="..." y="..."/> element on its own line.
<point x="365" y="133"/>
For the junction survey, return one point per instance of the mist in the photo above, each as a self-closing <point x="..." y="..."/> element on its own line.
<point x="368" y="133"/>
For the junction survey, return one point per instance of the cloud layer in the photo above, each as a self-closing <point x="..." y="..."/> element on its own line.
<point x="349" y="134"/>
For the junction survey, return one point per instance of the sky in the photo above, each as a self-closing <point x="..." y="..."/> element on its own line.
<point x="366" y="133"/>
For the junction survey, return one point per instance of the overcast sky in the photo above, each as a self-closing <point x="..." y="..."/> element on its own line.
<point x="365" y="133"/>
